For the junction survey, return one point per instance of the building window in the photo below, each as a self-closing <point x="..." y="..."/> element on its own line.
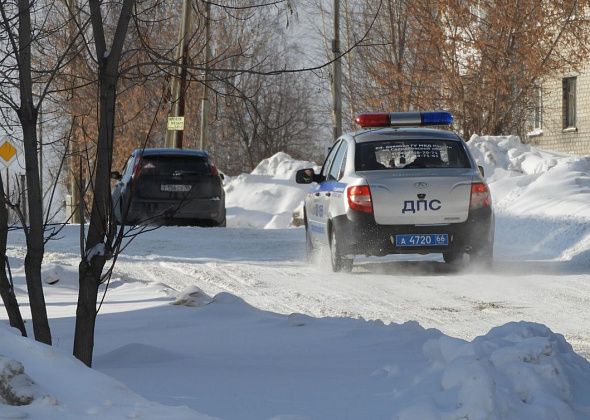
<point x="538" y="111"/>
<point x="569" y="102"/>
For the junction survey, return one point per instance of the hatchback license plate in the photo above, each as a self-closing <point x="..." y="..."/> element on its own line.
<point x="428" y="239"/>
<point x="175" y="187"/>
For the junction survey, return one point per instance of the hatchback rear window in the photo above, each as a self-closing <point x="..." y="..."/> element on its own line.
<point x="410" y="154"/>
<point x="174" y="166"/>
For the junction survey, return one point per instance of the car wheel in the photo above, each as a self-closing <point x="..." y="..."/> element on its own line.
<point x="339" y="262"/>
<point x="223" y="223"/>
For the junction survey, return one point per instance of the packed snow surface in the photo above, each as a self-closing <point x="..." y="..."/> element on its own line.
<point x="234" y="324"/>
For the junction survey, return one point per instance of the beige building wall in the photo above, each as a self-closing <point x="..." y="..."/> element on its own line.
<point x="552" y="135"/>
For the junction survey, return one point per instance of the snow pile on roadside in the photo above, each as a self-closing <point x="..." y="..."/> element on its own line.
<point x="281" y="166"/>
<point x="542" y="198"/>
<point x="234" y="361"/>
<point x="37" y="381"/>
<point x="526" y="180"/>
<point x="516" y="371"/>
<point x="268" y="196"/>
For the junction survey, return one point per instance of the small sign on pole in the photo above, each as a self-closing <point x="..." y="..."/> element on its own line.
<point x="175" y="123"/>
<point x="7" y="152"/>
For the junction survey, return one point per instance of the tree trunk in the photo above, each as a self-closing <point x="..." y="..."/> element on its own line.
<point x="100" y="231"/>
<point x="6" y="290"/>
<point x="86" y="311"/>
<point x="92" y="263"/>
<point x="35" y="240"/>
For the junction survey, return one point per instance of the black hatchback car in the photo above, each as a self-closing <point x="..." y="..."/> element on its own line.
<point x="169" y="186"/>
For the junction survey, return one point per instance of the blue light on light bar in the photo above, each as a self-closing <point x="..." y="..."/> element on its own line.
<point x="436" y="118"/>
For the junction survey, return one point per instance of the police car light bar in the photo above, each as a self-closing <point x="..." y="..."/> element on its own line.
<point x="404" y="119"/>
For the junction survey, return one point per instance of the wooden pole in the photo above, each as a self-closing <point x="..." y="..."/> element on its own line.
<point x="205" y="99"/>
<point x="337" y="76"/>
<point x="174" y="137"/>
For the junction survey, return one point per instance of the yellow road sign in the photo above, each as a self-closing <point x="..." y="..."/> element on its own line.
<point x="7" y="152"/>
<point x="176" y="123"/>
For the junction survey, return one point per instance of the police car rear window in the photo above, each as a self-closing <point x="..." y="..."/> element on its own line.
<point x="410" y="154"/>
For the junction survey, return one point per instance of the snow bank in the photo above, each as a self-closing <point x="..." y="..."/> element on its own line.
<point x="541" y="199"/>
<point x="235" y="361"/>
<point x="516" y="371"/>
<point x="268" y="196"/>
<point x="39" y="382"/>
<point x="526" y="180"/>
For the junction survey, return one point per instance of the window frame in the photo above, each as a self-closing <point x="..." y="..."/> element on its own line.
<point x="329" y="159"/>
<point x="569" y="97"/>
<point x="335" y="168"/>
<point x="538" y="109"/>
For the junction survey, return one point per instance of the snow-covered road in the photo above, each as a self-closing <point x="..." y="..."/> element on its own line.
<point x="276" y="278"/>
<point x="267" y="268"/>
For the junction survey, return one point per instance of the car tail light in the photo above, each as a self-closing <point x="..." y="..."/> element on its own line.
<point x="480" y="196"/>
<point x="213" y="169"/>
<point x="359" y="198"/>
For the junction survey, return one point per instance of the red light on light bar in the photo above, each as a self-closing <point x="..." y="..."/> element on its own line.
<point x="376" y="119"/>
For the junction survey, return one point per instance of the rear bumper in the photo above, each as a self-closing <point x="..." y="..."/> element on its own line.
<point x="364" y="236"/>
<point x="205" y="211"/>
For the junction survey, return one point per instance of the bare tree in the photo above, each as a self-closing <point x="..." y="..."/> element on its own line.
<point x="99" y="242"/>
<point x="6" y="288"/>
<point x="483" y="60"/>
<point x="124" y="59"/>
<point x="16" y="21"/>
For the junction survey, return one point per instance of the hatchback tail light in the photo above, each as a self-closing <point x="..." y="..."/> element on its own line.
<point x="137" y="168"/>
<point x="359" y="198"/>
<point x="480" y="196"/>
<point x="213" y="169"/>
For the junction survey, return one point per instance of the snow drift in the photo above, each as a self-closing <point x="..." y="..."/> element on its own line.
<point x="268" y="197"/>
<point x="40" y="382"/>
<point x="244" y="363"/>
<point x="540" y="198"/>
<point x="516" y="371"/>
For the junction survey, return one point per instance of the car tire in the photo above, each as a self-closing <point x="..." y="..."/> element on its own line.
<point x="338" y="261"/>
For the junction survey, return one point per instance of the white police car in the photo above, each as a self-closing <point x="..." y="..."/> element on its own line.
<point x="396" y="187"/>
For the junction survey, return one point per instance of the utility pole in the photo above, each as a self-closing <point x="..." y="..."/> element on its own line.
<point x="205" y="98"/>
<point x="174" y="137"/>
<point x="337" y="76"/>
<point x="75" y="196"/>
